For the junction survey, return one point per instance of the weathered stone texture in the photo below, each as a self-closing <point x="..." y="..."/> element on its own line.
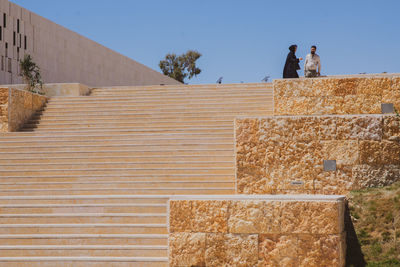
<point x="285" y="154"/>
<point x="231" y="250"/>
<point x="187" y="249"/>
<point x="260" y="233"/>
<point x="247" y="217"/>
<point x="17" y="107"/>
<point x="4" y="109"/>
<point x="320" y="96"/>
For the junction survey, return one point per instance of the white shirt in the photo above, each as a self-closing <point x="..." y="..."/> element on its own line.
<point x="312" y="62"/>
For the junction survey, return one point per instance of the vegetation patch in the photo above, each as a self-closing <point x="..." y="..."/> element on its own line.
<point x="375" y="214"/>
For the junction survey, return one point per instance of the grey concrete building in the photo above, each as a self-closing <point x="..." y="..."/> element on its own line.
<point x="63" y="55"/>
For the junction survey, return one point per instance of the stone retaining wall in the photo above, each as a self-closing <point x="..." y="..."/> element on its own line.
<point x="256" y="231"/>
<point x="58" y="89"/>
<point x="351" y="95"/>
<point x="17" y="107"/>
<point x="285" y="154"/>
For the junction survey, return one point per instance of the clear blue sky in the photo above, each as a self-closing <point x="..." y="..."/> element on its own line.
<point x="239" y="40"/>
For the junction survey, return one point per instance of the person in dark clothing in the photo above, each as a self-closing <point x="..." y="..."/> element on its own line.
<point x="291" y="64"/>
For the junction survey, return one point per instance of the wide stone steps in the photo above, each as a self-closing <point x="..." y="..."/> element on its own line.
<point x="180" y="180"/>
<point x="84" y="250"/>
<point x="86" y="182"/>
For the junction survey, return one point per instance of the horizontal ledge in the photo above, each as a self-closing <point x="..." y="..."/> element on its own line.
<point x="86" y="259"/>
<point x="82" y="247"/>
<point x="318" y="116"/>
<point x="321" y="198"/>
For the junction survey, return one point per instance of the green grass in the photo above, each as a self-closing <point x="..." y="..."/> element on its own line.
<point x="375" y="213"/>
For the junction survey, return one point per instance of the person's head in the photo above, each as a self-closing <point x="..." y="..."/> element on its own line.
<point x="293" y="48"/>
<point x="313" y="49"/>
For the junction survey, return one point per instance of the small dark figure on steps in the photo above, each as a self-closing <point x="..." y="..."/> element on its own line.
<point x="291" y="64"/>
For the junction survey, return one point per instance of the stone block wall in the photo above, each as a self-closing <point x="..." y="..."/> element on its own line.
<point x="58" y="89"/>
<point x="17" y="107"/>
<point x="346" y="95"/>
<point x="285" y="154"/>
<point x="256" y="231"/>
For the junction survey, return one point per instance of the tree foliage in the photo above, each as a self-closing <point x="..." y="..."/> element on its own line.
<point x="181" y="67"/>
<point x="31" y="74"/>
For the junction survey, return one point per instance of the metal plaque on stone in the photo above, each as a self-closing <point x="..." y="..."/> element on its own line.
<point x="329" y="165"/>
<point x="297" y="183"/>
<point x="387" y="108"/>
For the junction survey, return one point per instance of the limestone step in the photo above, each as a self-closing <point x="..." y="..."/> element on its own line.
<point x="43" y="137"/>
<point x="97" y="228"/>
<point x="115" y="165"/>
<point x="85" y="200"/>
<point x="142" y="131"/>
<point x="169" y="99"/>
<point x="85" y="217"/>
<point x="156" y="113"/>
<point x="116" y="185"/>
<point x="83" y="261"/>
<point x="28" y="208"/>
<point x="184" y="180"/>
<point x="119" y="153"/>
<point x="84" y="239"/>
<point x="188" y="116"/>
<point x="156" y="109"/>
<point x="122" y="191"/>
<point x="128" y="124"/>
<point x="114" y="147"/>
<point x="83" y="251"/>
<point x="127" y="159"/>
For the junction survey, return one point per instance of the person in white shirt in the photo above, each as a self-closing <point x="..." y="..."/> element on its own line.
<point x="312" y="65"/>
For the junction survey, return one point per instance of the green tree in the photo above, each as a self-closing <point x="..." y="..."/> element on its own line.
<point x="31" y="74"/>
<point x="181" y="67"/>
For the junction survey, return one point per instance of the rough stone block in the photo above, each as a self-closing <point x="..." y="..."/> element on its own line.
<point x="370" y="152"/>
<point x="391" y="128"/>
<point x="310" y="217"/>
<point x="180" y="217"/>
<point x="390" y="152"/>
<point x="277" y="250"/>
<point x="359" y="128"/>
<point x="3" y="96"/>
<point x="322" y="250"/>
<point x="369" y="104"/>
<point x="344" y="152"/>
<point x="239" y="250"/>
<point x="372" y="176"/>
<point x="209" y="216"/>
<point x="324" y="87"/>
<point x="373" y="86"/>
<point x="187" y="249"/>
<point x="253" y="217"/>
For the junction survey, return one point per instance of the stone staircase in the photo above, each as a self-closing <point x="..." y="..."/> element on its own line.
<point x="87" y="180"/>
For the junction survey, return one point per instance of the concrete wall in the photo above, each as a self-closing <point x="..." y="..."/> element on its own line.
<point x="17" y="107"/>
<point x="64" y="56"/>
<point x="256" y="231"/>
<point x="58" y="89"/>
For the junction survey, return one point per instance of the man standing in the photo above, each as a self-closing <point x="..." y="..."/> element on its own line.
<point x="312" y="65"/>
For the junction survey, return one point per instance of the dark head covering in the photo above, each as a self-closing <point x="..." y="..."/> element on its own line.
<point x="291" y="64"/>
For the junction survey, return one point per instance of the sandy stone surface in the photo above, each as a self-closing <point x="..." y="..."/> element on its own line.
<point x="3" y="109"/>
<point x="357" y="95"/>
<point x="239" y="250"/>
<point x="285" y="154"/>
<point x="187" y="249"/>
<point x="248" y="217"/>
<point x="259" y="233"/>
